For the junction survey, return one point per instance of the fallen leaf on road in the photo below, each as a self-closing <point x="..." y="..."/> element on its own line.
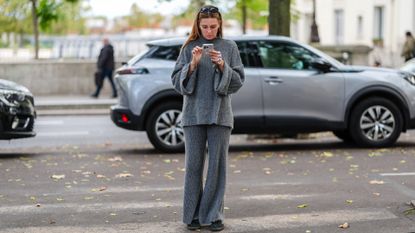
<point x="57" y="177"/>
<point x="344" y="225"/>
<point x="167" y="161"/>
<point x="402" y="161"/>
<point x="123" y="175"/>
<point x="59" y="199"/>
<point x="376" y="182"/>
<point x="100" y="176"/>
<point x="115" y="159"/>
<point x="376" y="194"/>
<point x="302" y="206"/>
<point x="327" y="154"/>
<point x="226" y="208"/>
<point x="88" y="198"/>
<point x="113" y="214"/>
<point x="349" y="201"/>
<point x="237" y="171"/>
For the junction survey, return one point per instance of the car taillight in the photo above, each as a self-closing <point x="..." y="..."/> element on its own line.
<point x="124" y="118"/>
<point x="132" y="71"/>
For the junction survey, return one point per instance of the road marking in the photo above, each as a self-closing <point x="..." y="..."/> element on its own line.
<point x="398" y="174"/>
<point x="48" y="122"/>
<point x="276" y="197"/>
<point x="62" y="134"/>
<point x="246" y="224"/>
<point x="78" y="207"/>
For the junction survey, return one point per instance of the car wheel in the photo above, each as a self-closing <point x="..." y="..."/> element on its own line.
<point x="344" y="135"/>
<point x="376" y="122"/>
<point x="164" y="128"/>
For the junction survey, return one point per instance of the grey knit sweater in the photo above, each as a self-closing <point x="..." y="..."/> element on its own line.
<point x="207" y="90"/>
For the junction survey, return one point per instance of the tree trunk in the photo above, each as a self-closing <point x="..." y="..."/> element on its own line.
<point x="279" y="17"/>
<point x="244" y="16"/>
<point x="35" y="27"/>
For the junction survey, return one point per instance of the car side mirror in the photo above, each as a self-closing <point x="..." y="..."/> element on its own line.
<point x="321" y="65"/>
<point x="123" y="63"/>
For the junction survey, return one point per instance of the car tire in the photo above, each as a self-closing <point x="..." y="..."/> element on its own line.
<point x="343" y="135"/>
<point x="375" y="122"/>
<point x="164" y="128"/>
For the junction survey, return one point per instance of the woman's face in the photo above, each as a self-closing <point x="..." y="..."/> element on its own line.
<point x="209" y="28"/>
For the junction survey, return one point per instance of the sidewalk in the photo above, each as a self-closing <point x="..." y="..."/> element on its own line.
<point x="73" y="105"/>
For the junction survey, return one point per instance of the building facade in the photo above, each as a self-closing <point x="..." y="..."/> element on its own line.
<point x="358" y="22"/>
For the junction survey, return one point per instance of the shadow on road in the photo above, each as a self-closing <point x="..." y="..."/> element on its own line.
<point x="14" y="155"/>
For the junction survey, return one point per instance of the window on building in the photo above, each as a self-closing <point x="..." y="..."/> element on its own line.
<point x="379" y="23"/>
<point x="339" y="26"/>
<point x="359" y="27"/>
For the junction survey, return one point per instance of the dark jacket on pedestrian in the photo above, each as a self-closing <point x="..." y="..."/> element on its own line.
<point x="106" y="58"/>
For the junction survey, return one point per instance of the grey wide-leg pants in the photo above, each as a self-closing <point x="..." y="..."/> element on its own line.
<point x="205" y="204"/>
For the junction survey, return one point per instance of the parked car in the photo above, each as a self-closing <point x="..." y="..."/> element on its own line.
<point x="17" y="111"/>
<point x="289" y="88"/>
<point x="409" y="66"/>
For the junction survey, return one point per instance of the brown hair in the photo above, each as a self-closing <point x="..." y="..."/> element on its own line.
<point x="196" y="34"/>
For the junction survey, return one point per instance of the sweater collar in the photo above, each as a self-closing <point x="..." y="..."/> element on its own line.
<point x="206" y="41"/>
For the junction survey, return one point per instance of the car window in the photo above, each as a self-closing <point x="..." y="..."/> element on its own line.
<point x="249" y="53"/>
<point x="284" y="55"/>
<point x="165" y="53"/>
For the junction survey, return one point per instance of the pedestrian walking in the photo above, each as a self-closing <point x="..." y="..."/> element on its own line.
<point x="208" y="70"/>
<point x="105" y="68"/>
<point x="408" y="50"/>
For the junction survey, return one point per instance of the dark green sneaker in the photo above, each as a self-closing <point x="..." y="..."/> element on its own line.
<point x="194" y="225"/>
<point x="216" y="226"/>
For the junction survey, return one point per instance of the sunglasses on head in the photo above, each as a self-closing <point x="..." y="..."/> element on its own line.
<point x="209" y="9"/>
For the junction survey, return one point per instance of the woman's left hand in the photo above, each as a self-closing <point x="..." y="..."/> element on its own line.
<point x="216" y="58"/>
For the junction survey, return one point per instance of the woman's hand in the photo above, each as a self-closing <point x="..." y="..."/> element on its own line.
<point x="216" y="57"/>
<point x="196" y="56"/>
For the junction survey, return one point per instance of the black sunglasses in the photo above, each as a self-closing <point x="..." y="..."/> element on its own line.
<point x="209" y="9"/>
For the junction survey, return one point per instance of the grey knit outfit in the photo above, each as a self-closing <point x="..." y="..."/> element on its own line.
<point x="207" y="116"/>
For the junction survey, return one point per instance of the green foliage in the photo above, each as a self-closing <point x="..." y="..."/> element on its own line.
<point x="15" y="16"/>
<point x="47" y="12"/>
<point x="255" y="9"/>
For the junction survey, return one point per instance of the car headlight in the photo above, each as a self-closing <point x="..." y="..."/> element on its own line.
<point x="11" y="98"/>
<point x="409" y="77"/>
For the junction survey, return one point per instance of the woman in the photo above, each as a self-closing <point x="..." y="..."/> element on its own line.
<point x="206" y="78"/>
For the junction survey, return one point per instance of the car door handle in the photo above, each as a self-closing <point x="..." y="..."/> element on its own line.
<point x="273" y="80"/>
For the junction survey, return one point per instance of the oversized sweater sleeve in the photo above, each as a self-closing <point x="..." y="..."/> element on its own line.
<point x="231" y="79"/>
<point x="183" y="83"/>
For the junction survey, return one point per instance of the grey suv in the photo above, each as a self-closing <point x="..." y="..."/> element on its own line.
<point x="289" y="88"/>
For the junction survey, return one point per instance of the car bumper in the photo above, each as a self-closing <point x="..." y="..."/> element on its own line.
<point x="124" y="118"/>
<point x="14" y="135"/>
<point x="16" y="126"/>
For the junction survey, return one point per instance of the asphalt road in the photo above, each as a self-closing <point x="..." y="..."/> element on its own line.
<point x="83" y="174"/>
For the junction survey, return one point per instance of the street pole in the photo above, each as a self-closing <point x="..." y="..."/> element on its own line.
<point x="314" y="37"/>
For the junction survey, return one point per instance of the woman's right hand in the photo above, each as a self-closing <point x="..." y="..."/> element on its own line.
<point x="196" y="56"/>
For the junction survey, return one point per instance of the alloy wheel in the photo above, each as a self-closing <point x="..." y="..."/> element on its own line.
<point x="169" y="129"/>
<point x="377" y="123"/>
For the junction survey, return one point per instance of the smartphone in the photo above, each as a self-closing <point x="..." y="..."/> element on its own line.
<point x="207" y="47"/>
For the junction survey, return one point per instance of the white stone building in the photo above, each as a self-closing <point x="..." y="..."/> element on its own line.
<point x="350" y="22"/>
